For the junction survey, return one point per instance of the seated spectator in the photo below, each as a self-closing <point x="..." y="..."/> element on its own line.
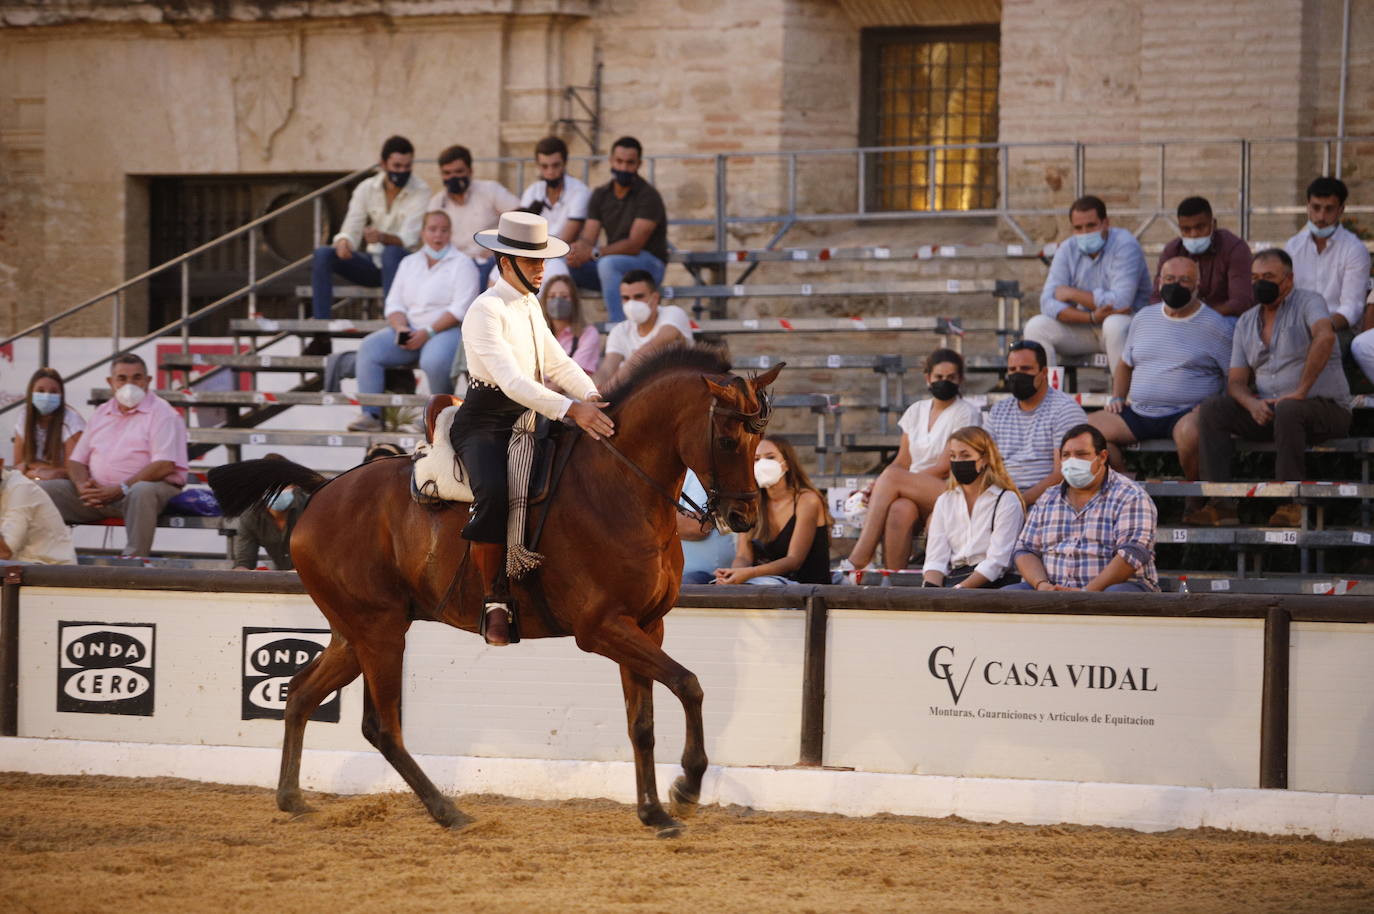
<point x="636" y="223"/>
<point x="433" y="289"/>
<point x="383" y="215"/>
<point x="703" y="551"/>
<point x="474" y="205"/>
<point x="48" y="428"/>
<point x="1332" y="261"/>
<point x="130" y="461"/>
<point x="268" y="526"/>
<point x="1287" y="348"/>
<point x="791" y="543"/>
<point x="903" y="496"/>
<point x="976" y="520"/>
<point x="31" y="529"/>
<point x="1222" y="259"/>
<point x="1096" y="531"/>
<point x="1097" y="281"/>
<point x="649" y="326"/>
<point x="1177" y="355"/>
<point x="563" y="312"/>
<point x="558" y="197"/>
<point x="1028" y="427"/>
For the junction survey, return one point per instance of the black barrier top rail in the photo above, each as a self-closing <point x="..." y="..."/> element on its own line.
<point x="1300" y="607"/>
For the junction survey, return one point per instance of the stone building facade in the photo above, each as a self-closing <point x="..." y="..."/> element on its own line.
<point x="99" y="97"/>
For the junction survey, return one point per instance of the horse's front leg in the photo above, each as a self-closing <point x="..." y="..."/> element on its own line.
<point x="639" y="715"/>
<point x="640" y="654"/>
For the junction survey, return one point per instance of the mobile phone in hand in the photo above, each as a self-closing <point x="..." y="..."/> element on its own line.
<point x="402" y="337"/>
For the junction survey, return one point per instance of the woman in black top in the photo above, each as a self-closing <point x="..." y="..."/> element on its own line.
<point x="791" y="543"/>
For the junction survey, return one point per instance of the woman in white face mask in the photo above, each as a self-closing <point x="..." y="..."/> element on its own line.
<point x="48" y="429"/>
<point x="791" y="543"/>
<point x="563" y="311"/>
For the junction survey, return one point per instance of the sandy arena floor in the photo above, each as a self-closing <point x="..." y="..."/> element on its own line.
<point x="113" y="844"/>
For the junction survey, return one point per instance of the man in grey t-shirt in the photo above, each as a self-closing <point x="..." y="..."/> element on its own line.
<point x="1288" y="347"/>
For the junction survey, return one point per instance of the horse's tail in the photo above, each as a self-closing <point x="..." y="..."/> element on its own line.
<point x="238" y="486"/>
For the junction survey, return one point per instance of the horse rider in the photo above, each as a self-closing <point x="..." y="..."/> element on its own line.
<point x="510" y="351"/>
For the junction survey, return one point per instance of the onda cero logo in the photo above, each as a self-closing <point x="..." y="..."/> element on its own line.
<point x="105" y="668"/>
<point x="271" y="656"/>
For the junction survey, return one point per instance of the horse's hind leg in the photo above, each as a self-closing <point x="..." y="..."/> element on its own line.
<point x="334" y="668"/>
<point x="382" y="664"/>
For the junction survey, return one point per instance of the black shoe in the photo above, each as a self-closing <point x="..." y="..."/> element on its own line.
<point x="496" y="631"/>
<point x="320" y="345"/>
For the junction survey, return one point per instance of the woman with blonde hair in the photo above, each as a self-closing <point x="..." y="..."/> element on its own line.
<point x="791" y="543"/>
<point x="975" y="523"/>
<point x="48" y="428"/>
<point x="563" y="311"/>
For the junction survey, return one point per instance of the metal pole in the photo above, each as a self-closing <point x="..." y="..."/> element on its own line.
<point x="1159" y="197"/>
<point x="318" y="227"/>
<point x="252" y="273"/>
<point x="720" y="202"/>
<point x="44" y="343"/>
<point x="1345" y="70"/>
<point x="1080" y="165"/>
<point x="1274" y="704"/>
<point x="185" y="306"/>
<point x="813" y="684"/>
<point x="863" y="184"/>
<point x="1246" y="201"/>
<point x="9" y="654"/>
<point x="116" y="323"/>
<point x="792" y="185"/>
<point x="932" y="188"/>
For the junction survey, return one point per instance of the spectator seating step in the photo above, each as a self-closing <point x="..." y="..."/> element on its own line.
<point x="193" y="397"/>
<point x="772" y="290"/>
<point x="246" y="361"/>
<point x="277" y="437"/>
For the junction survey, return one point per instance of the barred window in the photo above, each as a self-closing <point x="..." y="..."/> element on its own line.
<point x="931" y="87"/>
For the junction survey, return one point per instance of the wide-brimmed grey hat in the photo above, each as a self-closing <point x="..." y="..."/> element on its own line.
<point x="522" y="234"/>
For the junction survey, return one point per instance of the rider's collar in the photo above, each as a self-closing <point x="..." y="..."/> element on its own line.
<point x="507" y="291"/>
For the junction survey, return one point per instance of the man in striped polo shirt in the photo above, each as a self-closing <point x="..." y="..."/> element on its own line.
<point x="1028" y="428"/>
<point x="1177" y="354"/>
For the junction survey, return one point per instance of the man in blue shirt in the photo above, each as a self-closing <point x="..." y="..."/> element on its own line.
<point x="702" y="553"/>
<point x="1097" y="280"/>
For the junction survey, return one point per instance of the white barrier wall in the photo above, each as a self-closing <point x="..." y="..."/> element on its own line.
<point x="1078" y="698"/>
<point x="198" y="657"/>
<point x="1331" y="708"/>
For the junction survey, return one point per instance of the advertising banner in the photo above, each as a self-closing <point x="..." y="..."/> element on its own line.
<point x="105" y="668"/>
<point x="271" y="656"/>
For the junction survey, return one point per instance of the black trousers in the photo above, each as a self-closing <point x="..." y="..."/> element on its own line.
<point x="1296" y="424"/>
<point x="481" y="435"/>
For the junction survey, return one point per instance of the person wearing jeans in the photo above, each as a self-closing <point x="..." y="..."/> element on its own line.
<point x="382" y="225"/>
<point x="636" y="223"/>
<point x="432" y="291"/>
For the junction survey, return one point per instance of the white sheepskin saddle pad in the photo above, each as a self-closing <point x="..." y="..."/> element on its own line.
<point x="438" y="473"/>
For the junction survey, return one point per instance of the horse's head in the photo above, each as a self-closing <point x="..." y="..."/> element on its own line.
<point x="723" y="458"/>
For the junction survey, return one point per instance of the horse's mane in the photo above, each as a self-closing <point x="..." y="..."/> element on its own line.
<point x="701" y="357"/>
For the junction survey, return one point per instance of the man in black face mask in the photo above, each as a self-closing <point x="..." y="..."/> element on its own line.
<point x="472" y="205"/>
<point x="558" y="197"/>
<point x="382" y="226"/>
<point x="1029" y="425"/>
<point x="1287" y="347"/>
<point x="1176" y="355"/>
<point x="636" y="223"/>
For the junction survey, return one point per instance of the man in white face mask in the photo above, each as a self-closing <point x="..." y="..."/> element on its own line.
<point x="130" y="462"/>
<point x="1096" y="531"/>
<point x="648" y="325"/>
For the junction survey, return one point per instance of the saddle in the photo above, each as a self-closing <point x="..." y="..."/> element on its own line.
<point x="438" y="477"/>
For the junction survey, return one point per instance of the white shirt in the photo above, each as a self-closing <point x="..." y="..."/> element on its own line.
<point x="368" y="207"/>
<point x="505" y="339"/>
<point x="1340" y="274"/>
<point x="626" y="339"/>
<point x="927" y="445"/>
<point x="423" y="292"/>
<point x="31" y="525"/>
<point x="957" y="538"/>
<point x="71" y="424"/>
<point x="480" y="210"/>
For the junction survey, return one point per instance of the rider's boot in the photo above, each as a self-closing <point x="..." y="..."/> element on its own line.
<point x="490" y="559"/>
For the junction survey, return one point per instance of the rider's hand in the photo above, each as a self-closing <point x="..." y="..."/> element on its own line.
<point x="590" y="418"/>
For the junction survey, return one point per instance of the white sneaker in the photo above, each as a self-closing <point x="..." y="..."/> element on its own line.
<point x="365" y="423"/>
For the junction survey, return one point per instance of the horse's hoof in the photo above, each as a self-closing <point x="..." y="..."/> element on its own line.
<point x="452" y="818"/>
<point x="670" y="831"/>
<point x="295" y="805"/>
<point x="683" y="804"/>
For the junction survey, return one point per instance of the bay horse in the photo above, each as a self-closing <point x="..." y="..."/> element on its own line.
<point x="373" y="560"/>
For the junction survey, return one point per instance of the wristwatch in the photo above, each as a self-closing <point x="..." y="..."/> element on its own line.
<point x="124" y="487"/>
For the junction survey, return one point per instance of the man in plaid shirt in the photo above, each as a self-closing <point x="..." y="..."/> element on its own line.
<point x="1096" y="531"/>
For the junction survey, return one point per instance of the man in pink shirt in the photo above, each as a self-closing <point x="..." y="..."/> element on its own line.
<point x="129" y="463"/>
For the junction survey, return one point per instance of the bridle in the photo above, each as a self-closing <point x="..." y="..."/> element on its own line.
<point x="754" y="422"/>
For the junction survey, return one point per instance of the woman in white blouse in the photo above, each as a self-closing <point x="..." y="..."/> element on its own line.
<point x="976" y="521"/>
<point x="424" y="308"/>
<point x="903" y="496"/>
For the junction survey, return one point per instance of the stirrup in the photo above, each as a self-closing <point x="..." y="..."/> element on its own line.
<point x="511" y="624"/>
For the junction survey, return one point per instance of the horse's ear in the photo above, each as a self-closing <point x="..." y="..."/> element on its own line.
<point x="718" y="391"/>
<point x="768" y="377"/>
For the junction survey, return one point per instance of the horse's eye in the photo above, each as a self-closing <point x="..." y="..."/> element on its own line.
<point x="727" y="444"/>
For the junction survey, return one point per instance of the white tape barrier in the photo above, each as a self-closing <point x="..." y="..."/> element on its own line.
<point x="1334" y="817"/>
